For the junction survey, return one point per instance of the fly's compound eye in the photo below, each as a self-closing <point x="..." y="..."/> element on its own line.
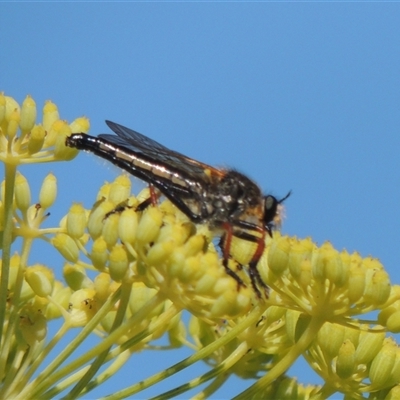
<point x="270" y="209"/>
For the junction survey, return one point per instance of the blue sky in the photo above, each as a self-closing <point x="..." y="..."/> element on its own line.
<point x="300" y="96"/>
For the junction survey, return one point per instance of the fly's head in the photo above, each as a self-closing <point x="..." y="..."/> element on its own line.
<point x="272" y="211"/>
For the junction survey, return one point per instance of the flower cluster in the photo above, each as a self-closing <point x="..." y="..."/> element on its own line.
<point x="159" y="247"/>
<point x="128" y="275"/>
<point x="316" y="294"/>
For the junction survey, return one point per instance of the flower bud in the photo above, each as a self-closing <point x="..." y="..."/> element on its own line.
<point x="292" y="318"/>
<point x="28" y="114"/>
<point x="76" y="221"/>
<point x="393" y="322"/>
<point x="12" y="126"/>
<point x="99" y="254"/>
<point x="345" y="364"/>
<point x="382" y="364"/>
<point x="22" y="192"/>
<point x="82" y="307"/>
<point x="61" y="296"/>
<point x="11" y="107"/>
<point x="353" y="335"/>
<point x="386" y="312"/>
<point x="149" y="225"/>
<point x="34" y="215"/>
<point x="222" y="305"/>
<point x="274" y="313"/>
<point x="210" y="272"/>
<point x="48" y="191"/>
<point x="176" y="331"/>
<point x="204" y="285"/>
<point x="140" y="295"/>
<point x="27" y="292"/>
<point x="320" y="261"/>
<point x="288" y="389"/>
<point x="120" y="189"/>
<point x="179" y="234"/>
<point x="97" y="216"/>
<point x="159" y="252"/>
<point x="330" y="338"/>
<point x="194" y="245"/>
<point x="377" y="289"/>
<point x="104" y="192"/>
<point x="110" y="229"/>
<point x="118" y="263"/>
<point x="40" y="279"/>
<point x="107" y="323"/>
<point x="368" y="346"/>
<point x="33" y="327"/>
<point x="39" y="303"/>
<point x="127" y="226"/>
<point x="50" y="115"/>
<point x="278" y="255"/>
<point x="102" y="285"/>
<point x="75" y="277"/>
<point x="66" y="246"/>
<point x="394" y="393"/>
<point x="395" y="373"/>
<point x="80" y="125"/>
<point x="336" y="272"/>
<point x="192" y="270"/>
<point x="36" y="139"/>
<point x="356" y="282"/>
<point x="300" y="251"/>
<point x="305" y="276"/>
<point x="61" y="131"/>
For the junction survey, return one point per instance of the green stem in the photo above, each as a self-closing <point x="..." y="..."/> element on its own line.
<point x="285" y="363"/>
<point x="47" y="376"/>
<point x="212" y="388"/>
<point x="251" y="319"/>
<point x="43" y="354"/>
<point x="96" y="365"/>
<point x="13" y="317"/>
<point x="51" y="375"/>
<point x="215" y="372"/>
<point x="10" y="172"/>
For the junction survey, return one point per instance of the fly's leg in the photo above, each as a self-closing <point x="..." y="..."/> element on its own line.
<point x="225" y="245"/>
<point x="144" y="204"/>
<point x="118" y="209"/>
<point x="152" y="200"/>
<point x="255" y="277"/>
<point x="253" y="270"/>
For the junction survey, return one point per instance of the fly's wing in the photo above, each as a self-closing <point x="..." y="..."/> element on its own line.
<point x="139" y="143"/>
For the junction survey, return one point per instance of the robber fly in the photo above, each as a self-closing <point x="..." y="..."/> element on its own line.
<point x="222" y="198"/>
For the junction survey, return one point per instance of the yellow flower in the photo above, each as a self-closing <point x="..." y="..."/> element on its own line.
<point x="128" y="275"/>
<point x="36" y="143"/>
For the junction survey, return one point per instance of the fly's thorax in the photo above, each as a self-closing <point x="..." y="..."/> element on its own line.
<point x="239" y="186"/>
<point x="235" y="196"/>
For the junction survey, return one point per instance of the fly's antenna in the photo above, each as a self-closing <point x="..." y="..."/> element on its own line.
<point x="280" y="212"/>
<point x="282" y="200"/>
